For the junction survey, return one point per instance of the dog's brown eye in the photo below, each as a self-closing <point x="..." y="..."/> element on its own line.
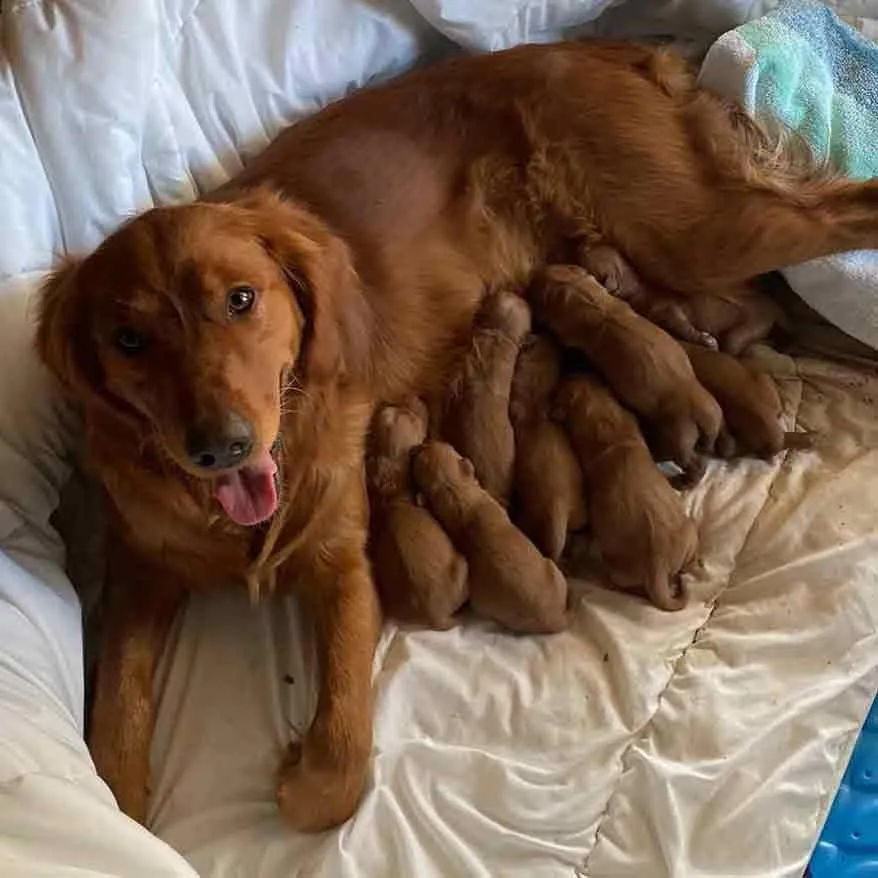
<point x="130" y="341"/>
<point x="241" y="299"/>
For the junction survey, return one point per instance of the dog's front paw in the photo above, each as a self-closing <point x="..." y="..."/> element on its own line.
<point x="321" y="783"/>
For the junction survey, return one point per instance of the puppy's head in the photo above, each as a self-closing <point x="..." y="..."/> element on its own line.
<point x="397" y="430"/>
<point x="506" y="313"/>
<point x="574" y="401"/>
<point x="186" y="325"/>
<point x="395" y="433"/>
<point x="537" y="371"/>
<point x="445" y="477"/>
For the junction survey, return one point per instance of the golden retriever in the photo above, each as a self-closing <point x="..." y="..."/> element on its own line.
<point x="228" y="355"/>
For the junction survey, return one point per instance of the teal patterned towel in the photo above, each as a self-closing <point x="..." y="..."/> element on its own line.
<point x="805" y="66"/>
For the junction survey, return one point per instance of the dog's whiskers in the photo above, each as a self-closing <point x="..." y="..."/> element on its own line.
<point x="292" y="388"/>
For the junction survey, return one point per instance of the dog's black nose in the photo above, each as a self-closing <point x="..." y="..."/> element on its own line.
<point x="222" y="446"/>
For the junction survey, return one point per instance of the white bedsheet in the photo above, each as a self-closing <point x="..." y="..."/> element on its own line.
<point x="705" y="743"/>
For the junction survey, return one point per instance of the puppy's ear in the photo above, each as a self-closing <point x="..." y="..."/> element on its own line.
<point x="62" y="337"/>
<point x="321" y="275"/>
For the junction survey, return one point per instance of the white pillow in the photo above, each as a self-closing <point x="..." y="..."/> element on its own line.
<point x="491" y="25"/>
<point x="36" y="428"/>
<point x="107" y="109"/>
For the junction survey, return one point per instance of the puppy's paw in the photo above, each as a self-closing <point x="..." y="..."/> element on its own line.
<point x="691" y="475"/>
<point x="320" y="786"/>
<point x="706" y="340"/>
<point x="613" y="272"/>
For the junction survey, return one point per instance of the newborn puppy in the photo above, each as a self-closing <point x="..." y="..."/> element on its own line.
<point x="548" y="493"/>
<point x="475" y="416"/>
<point x="646" y="368"/>
<point x="420" y="576"/>
<point x="750" y="402"/>
<point x="509" y="580"/>
<point x="729" y="319"/>
<point x="645" y="538"/>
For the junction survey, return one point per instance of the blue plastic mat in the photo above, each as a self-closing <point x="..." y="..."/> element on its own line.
<point x="848" y="846"/>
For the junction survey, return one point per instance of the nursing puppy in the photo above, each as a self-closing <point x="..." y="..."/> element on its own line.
<point x="548" y="498"/>
<point x="475" y="419"/>
<point x="750" y="402"/>
<point x="645" y="538"/>
<point x="421" y="578"/>
<point x="228" y="355"/>
<point x="509" y="580"/>
<point x="646" y="368"/>
<point x="729" y="319"/>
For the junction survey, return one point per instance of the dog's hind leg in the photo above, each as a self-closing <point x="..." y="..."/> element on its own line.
<point x="742" y="233"/>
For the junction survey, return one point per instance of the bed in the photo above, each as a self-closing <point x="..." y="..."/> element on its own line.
<point x="704" y="743"/>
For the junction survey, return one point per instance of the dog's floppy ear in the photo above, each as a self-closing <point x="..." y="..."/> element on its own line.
<point x="65" y="344"/>
<point x="62" y="337"/>
<point x="321" y="275"/>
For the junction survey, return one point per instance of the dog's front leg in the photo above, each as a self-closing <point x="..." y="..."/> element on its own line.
<point x="138" y="608"/>
<point x="323" y="777"/>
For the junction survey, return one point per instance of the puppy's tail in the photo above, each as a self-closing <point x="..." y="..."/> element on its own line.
<point x="668" y="593"/>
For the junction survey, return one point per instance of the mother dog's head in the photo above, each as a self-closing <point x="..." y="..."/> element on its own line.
<point x="185" y="325"/>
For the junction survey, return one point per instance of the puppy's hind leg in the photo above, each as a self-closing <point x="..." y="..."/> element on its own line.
<point x="672" y="317"/>
<point x="759" y="315"/>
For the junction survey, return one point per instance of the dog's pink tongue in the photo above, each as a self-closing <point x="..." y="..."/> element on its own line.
<point x="249" y="495"/>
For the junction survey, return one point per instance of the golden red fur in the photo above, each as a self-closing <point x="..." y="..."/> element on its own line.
<point x="195" y="335"/>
